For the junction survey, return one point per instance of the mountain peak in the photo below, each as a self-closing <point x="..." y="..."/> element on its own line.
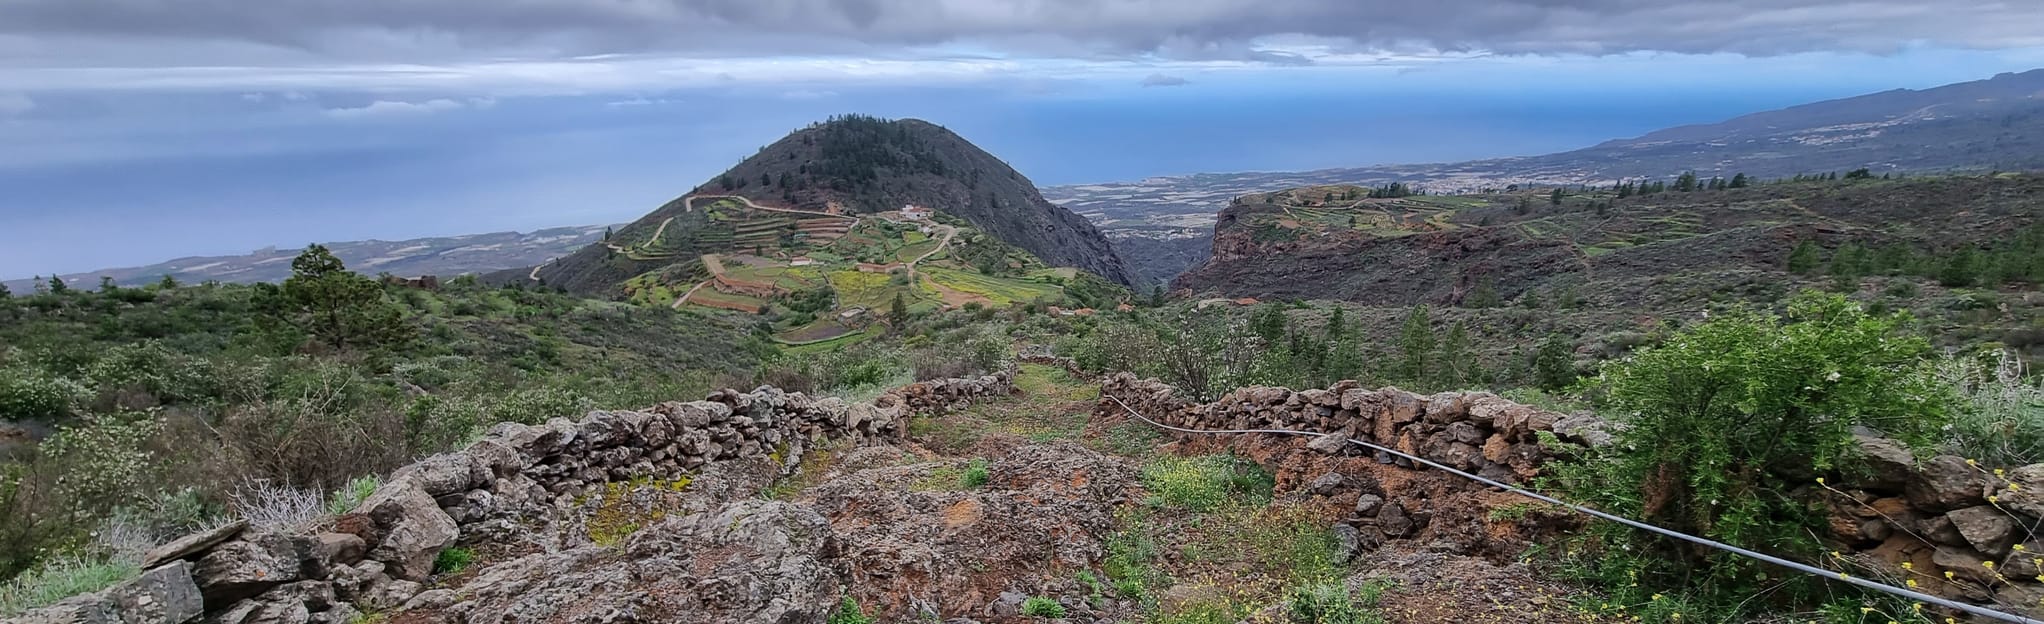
<point x="848" y="169"/>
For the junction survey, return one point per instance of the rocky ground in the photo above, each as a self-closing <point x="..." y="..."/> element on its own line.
<point x="1009" y="511"/>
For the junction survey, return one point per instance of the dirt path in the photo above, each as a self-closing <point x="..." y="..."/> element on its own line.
<point x="534" y="275"/>
<point x="948" y="233"/>
<point x="655" y="240"/>
<point x="684" y="296"/>
<point x="690" y="205"/>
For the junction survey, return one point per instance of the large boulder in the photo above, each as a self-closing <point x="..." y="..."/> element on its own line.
<point x="94" y="608"/>
<point x="1945" y="483"/>
<point x="162" y="595"/>
<point x="446" y="473"/>
<point x="193" y="544"/>
<point x="413" y="530"/>
<point x="254" y="564"/>
<point x="1986" y="528"/>
<point x="1888" y="465"/>
<point x="2027" y="495"/>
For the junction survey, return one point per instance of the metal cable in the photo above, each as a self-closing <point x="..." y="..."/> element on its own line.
<point x="1800" y="567"/>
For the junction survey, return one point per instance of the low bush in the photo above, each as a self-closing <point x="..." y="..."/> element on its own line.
<point x="848" y="612"/>
<point x="350" y="496"/>
<point x="1038" y="606"/>
<point x="975" y="474"/>
<point x="1332" y="603"/>
<point x="1728" y="419"/>
<point x="453" y="560"/>
<point x="1206" y="483"/>
<point x="1999" y="419"/>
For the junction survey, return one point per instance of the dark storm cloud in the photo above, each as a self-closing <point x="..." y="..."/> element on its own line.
<point x="351" y="29"/>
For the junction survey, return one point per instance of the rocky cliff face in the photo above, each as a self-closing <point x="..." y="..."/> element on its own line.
<point x="1655" y="253"/>
<point x="1362" y="266"/>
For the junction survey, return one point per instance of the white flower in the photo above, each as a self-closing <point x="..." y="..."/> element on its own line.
<point x="1831" y="377"/>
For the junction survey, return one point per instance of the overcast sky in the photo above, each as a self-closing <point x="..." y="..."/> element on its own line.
<point x="140" y="130"/>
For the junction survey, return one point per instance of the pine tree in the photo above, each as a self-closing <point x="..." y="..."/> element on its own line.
<point x="1555" y="197"/>
<point x="1685" y="182"/>
<point x="57" y="286"/>
<point x="1455" y="365"/>
<point x="1337" y="325"/>
<point x="897" y="312"/>
<point x="340" y="307"/>
<point x="1553" y="364"/>
<point x="167" y="283"/>
<point x="1960" y="269"/>
<point x="1739" y="181"/>
<point x="1803" y="258"/>
<point x="1415" y="343"/>
<point x="1269" y="323"/>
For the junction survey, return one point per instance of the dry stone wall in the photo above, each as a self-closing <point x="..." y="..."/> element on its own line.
<point x="380" y="556"/>
<point x="1964" y="531"/>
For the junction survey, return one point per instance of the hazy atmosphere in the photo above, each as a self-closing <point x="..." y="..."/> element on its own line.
<point x="1021" y="311"/>
<point x="146" y="131"/>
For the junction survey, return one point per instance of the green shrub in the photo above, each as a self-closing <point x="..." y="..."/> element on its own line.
<point x="2000" y="416"/>
<point x="1039" y="606"/>
<point x="1332" y="603"/>
<point x="58" y="579"/>
<point x="31" y="394"/>
<point x="975" y="474"/>
<point x="1729" y="417"/>
<point x="1206" y="483"/>
<point x="350" y="496"/>
<point x="453" y="560"/>
<point x="848" y="612"/>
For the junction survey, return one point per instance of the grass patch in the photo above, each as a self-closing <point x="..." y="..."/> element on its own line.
<point x="1000" y="290"/>
<point x="975" y="474"/>
<point x="349" y="497"/>
<point x="453" y="560"/>
<point x="58" y="579"/>
<point x="1131" y="563"/>
<point x="1207" y="483"/>
<point x="1038" y="606"/>
<point x="1333" y="603"/>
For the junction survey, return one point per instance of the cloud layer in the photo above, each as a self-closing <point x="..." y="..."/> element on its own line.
<point x="52" y="31"/>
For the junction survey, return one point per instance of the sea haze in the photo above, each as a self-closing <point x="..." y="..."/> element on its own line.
<point x="135" y="178"/>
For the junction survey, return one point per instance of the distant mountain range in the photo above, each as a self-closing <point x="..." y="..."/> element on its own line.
<point x="1161" y="226"/>
<point x="445" y="256"/>
<point x="1993" y="124"/>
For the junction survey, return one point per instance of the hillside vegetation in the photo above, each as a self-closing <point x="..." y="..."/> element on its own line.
<point x="1599" y="266"/>
<point x="166" y="401"/>
<point x="813" y="185"/>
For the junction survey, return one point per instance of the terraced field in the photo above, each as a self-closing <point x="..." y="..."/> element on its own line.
<point x="998" y="290"/>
